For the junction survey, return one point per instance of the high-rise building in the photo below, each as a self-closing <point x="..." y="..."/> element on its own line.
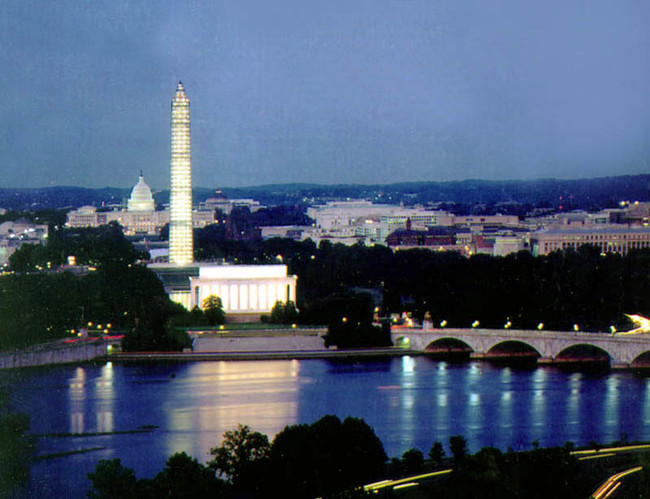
<point x="180" y="219"/>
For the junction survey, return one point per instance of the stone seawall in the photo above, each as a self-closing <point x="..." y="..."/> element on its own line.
<point x="54" y="353"/>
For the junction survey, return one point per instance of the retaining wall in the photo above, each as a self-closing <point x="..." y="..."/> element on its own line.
<point x="53" y="353"/>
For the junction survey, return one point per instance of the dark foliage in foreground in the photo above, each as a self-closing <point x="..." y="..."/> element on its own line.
<point x="334" y="458"/>
<point x="539" y="473"/>
<point x="16" y="448"/>
<point x="323" y="459"/>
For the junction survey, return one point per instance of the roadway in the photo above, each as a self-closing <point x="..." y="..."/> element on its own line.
<point x="607" y="490"/>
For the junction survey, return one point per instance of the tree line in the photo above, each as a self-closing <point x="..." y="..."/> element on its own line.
<point x="334" y="458"/>
<point x="340" y="286"/>
<point x="560" y="290"/>
<point x="40" y="305"/>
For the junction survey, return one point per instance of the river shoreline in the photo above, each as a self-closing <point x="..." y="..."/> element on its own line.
<point x="261" y="355"/>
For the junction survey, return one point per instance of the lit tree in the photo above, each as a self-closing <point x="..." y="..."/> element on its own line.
<point x="213" y="310"/>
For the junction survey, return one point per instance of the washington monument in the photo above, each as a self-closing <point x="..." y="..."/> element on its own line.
<point x="180" y="219"/>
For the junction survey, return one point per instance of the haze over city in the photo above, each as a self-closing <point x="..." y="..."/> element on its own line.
<point x="324" y="92"/>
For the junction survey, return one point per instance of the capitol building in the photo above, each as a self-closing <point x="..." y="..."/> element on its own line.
<point x="140" y="218"/>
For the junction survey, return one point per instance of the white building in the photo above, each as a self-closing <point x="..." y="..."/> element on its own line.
<point x="336" y="215"/>
<point x="141" y="197"/>
<point x="140" y="217"/>
<point x="13" y="234"/>
<point x="611" y="239"/>
<point x="246" y="291"/>
<point x="222" y="203"/>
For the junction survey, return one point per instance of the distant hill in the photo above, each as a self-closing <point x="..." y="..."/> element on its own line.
<point x="589" y="194"/>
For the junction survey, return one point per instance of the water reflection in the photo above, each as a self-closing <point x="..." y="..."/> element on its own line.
<point x="538" y="405"/>
<point x="104" y="395"/>
<point x="611" y="406"/>
<point x="211" y="398"/>
<point x="77" y="398"/>
<point x="505" y="406"/>
<point x="407" y="414"/>
<point x="410" y="401"/>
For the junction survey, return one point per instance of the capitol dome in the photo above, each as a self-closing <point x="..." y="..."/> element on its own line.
<point x="141" y="198"/>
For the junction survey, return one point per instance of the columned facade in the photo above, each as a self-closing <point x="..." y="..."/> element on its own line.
<point x="249" y="289"/>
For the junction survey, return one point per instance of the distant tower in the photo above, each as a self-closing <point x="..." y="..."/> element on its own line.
<point x="180" y="218"/>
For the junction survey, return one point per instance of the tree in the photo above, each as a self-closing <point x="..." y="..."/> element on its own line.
<point x="112" y="480"/>
<point x="413" y="460"/>
<point x="458" y="447"/>
<point x="15" y="450"/>
<point x="154" y="328"/>
<point x="350" y="322"/>
<point x="436" y="454"/>
<point x="213" y="310"/>
<point x="326" y="457"/>
<point x="184" y="477"/>
<point x="277" y="313"/>
<point x="290" y="313"/>
<point x="284" y="313"/>
<point x="241" y="451"/>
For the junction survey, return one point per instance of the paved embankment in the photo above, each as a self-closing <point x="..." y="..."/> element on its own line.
<point x="262" y="355"/>
<point x="259" y="340"/>
<point x="58" y="352"/>
<point x="259" y="344"/>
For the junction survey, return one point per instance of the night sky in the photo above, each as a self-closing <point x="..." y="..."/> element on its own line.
<point x="347" y="91"/>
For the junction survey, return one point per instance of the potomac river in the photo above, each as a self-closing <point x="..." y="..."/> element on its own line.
<point x="410" y="401"/>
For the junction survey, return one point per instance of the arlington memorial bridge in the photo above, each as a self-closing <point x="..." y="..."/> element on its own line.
<point x="619" y="350"/>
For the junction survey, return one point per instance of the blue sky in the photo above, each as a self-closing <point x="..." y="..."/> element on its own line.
<point x="324" y="91"/>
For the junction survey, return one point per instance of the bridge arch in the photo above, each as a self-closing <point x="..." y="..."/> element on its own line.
<point x="448" y="345"/>
<point x="642" y="360"/>
<point x="402" y="341"/>
<point x="514" y="349"/>
<point x="584" y="352"/>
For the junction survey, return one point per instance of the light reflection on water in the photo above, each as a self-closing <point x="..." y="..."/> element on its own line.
<point x="411" y="402"/>
<point x="212" y="398"/>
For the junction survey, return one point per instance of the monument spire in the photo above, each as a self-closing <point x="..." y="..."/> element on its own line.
<point x="180" y="218"/>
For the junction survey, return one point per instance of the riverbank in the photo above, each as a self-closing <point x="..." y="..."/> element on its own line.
<point x="261" y="355"/>
<point x="57" y="352"/>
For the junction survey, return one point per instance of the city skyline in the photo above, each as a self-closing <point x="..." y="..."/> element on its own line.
<point x="366" y="93"/>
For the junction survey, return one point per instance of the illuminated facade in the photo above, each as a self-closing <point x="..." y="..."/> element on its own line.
<point x="612" y="239"/>
<point x="245" y="290"/>
<point x="180" y="219"/>
<point x="140" y="217"/>
<point x="134" y="223"/>
<point x="141" y="197"/>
